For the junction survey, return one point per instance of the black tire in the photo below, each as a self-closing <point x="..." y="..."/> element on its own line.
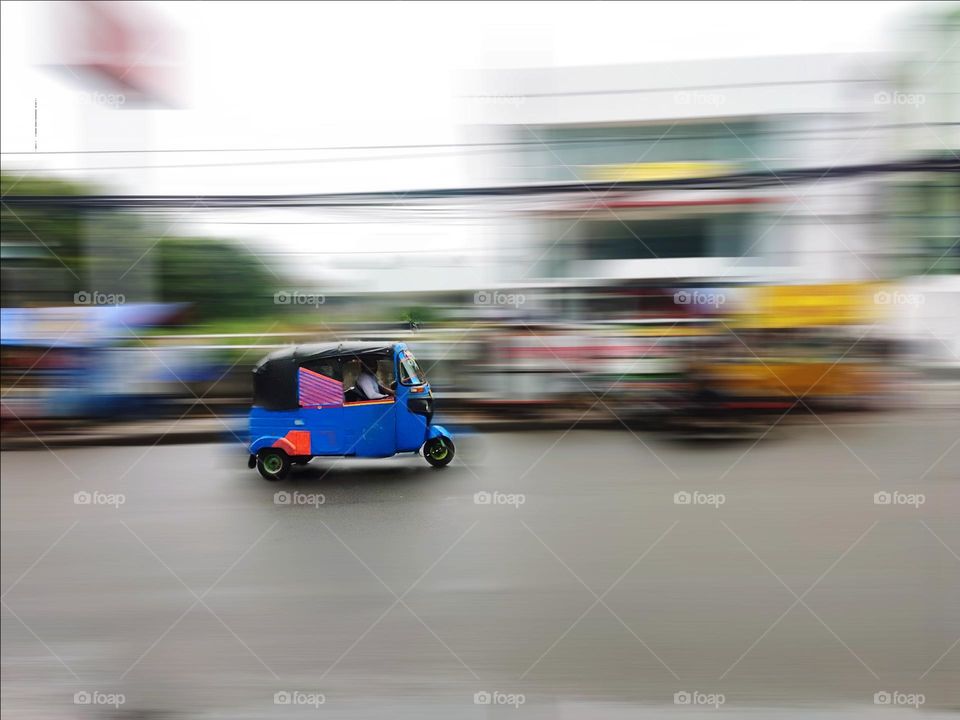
<point x="439" y="451"/>
<point x="273" y="464"/>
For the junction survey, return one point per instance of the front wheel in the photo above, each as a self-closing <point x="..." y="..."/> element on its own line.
<point x="273" y="464"/>
<point x="439" y="451"/>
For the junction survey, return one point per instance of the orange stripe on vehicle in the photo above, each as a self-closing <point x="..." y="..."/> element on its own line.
<point x="296" y="441"/>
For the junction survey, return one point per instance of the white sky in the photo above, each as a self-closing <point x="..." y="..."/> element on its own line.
<point x="299" y="74"/>
<point x="306" y="75"/>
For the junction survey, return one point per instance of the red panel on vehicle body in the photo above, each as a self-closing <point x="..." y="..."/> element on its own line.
<point x="295" y="442"/>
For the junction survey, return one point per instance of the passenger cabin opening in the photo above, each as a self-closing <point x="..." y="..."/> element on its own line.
<point x="382" y="365"/>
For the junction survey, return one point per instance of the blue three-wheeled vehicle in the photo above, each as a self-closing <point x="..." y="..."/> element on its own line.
<point x="341" y="399"/>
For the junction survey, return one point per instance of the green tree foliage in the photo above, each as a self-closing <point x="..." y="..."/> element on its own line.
<point x="50" y="253"/>
<point x="220" y="280"/>
<point x="46" y="239"/>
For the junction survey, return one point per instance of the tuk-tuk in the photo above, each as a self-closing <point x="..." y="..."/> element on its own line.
<point x="308" y="402"/>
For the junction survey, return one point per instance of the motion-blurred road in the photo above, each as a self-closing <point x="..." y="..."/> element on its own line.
<point x="582" y="585"/>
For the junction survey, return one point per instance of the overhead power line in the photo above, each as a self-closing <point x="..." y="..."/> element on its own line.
<point x="761" y="179"/>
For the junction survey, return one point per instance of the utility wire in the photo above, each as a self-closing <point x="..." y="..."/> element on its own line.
<point x="402" y="198"/>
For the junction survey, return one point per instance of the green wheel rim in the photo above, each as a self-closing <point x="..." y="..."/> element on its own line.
<point x="439" y="450"/>
<point x="272" y="463"/>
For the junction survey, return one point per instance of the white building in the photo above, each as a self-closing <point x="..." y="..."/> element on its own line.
<point x="712" y="118"/>
<point x="685" y="120"/>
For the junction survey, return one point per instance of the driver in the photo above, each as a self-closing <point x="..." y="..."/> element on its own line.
<point x="367" y="382"/>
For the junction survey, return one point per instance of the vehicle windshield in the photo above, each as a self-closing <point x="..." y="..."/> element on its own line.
<point x="410" y="372"/>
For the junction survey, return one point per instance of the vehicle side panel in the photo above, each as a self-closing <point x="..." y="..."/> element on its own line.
<point x="369" y="428"/>
<point x="304" y="432"/>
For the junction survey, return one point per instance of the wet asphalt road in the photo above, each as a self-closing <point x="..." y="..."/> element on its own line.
<point x="581" y="589"/>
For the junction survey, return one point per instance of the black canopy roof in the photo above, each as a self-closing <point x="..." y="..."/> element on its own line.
<point x="312" y="351"/>
<point x="275" y="376"/>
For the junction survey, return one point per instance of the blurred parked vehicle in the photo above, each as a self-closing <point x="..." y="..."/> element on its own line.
<point x="62" y="364"/>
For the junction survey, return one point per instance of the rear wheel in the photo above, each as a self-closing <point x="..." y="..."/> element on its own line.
<point x="439" y="451"/>
<point x="273" y="464"/>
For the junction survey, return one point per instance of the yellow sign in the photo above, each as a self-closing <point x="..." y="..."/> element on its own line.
<point x="639" y="172"/>
<point x="791" y="306"/>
